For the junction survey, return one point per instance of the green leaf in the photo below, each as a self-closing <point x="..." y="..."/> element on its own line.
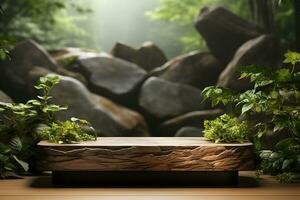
<point x="285" y="164"/>
<point x="16" y="144"/>
<point x="74" y="119"/>
<point x="22" y="163"/>
<point x="34" y="102"/>
<point x="275" y="155"/>
<point x="283" y="75"/>
<point x="244" y="75"/>
<point x="247" y="107"/>
<point x="263" y="83"/>
<point x="291" y="57"/>
<point x="265" y="154"/>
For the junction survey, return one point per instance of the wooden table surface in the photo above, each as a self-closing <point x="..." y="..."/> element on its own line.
<point x="36" y="188"/>
<point x="145" y="141"/>
<point x="147" y="154"/>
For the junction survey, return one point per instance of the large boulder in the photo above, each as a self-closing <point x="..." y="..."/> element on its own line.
<point x="24" y="57"/>
<point x="196" y="69"/>
<point x="108" y="118"/>
<point x="148" y="56"/>
<point x="112" y="77"/>
<point x="163" y="99"/>
<point x="65" y="72"/>
<point x="261" y="51"/>
<point x="125" y="52"/>
<point x="72" y="52"/>
<point x="192" y="119"/>
<point x="67" y="60"/>
<point x="5" y="98"/>
<point x="68" y="56"/>
<point x="224" y="32"/>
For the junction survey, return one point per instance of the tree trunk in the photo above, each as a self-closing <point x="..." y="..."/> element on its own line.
<point x="262" y="14"/>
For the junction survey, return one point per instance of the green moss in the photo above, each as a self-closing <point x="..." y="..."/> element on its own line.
<point x="70" y="131"/>
<point x="225" y="129"/>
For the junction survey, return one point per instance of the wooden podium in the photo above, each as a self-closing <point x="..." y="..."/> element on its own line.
<point x="146" y="160"/>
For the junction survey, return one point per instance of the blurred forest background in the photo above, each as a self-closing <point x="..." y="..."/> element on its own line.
<point x="99" y="24"/>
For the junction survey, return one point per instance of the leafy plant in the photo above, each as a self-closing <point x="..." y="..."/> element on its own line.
<point x="69" y="131"/>
<point x="19" y="123"/>
<point x="54" y="28"/>
<point x="287" y="177"/>
<point x="4" y="53"/>
<point x="9" y="162"/>
<point x="276" y="95"/>
<point x="225" y="129"/>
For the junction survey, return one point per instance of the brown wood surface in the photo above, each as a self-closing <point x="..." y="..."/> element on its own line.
<point x="36" y="188"/>
<point x="144" y="141"/>
<point x="147" y="154"/>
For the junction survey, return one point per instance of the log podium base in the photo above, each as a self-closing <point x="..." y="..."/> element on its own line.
<point x="144" y="178"/>
<point x="146" y="161"/>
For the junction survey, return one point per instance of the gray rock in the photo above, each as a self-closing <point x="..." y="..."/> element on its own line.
<point x="224" y="32"/>
<point x="194" y="119"/>
<point x="196" y="69"/>
<point x="148" y="56"/>
<point x="108" y="118"/>
<point x="65" y="72"/>
<point x="261" y="51"/>
<point x="25" y="56"/>
<point x="5" y="98"/>
<point x="112" y="77"/>
<point x="124" y="52"/>
<point x="60" y="55"/>
<point x="68" y="57"/>
<point x="163" y="99"/>
<point x="189" y="131"/>
<point x="67" y="61"/>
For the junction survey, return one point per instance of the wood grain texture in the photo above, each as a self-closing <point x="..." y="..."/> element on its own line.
<point x="147" y="154"/>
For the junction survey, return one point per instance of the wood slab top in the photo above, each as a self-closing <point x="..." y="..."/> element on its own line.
<point x="144" y="141"/>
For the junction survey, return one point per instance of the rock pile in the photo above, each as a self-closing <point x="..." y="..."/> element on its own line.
<point x="137" y="91"/>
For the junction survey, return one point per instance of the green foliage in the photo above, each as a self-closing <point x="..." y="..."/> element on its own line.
<point x="9" y="162"/>
<point x="4" y="53"/>
<point x="17" y="125"/>
<point x="43" y="106"/>
<point x="69" y="131"/>
<point x="183" y="14"/>
<point x="284" y="19"/>
<point x="19" y="128"/>
<point x="292" y="58"/>
<point x="218" y="95"/>
<point x="225" y="129"/>
<point x="276" y="95"/>
<point x="287" y="177"/>
<point x="46" y="21"/>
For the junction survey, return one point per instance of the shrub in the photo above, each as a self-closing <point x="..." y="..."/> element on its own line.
<point x="20" y="125"/>
<point x="225" y="129"/>
<point x="69" y="131"/>
<point x="275" y="94"/>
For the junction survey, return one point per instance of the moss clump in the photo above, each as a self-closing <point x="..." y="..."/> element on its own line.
<point x="225" y="129"/>
<point x="70" y="131"/>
